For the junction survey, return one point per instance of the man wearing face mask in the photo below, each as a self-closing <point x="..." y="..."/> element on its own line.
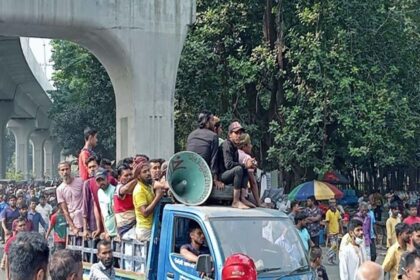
<point x="363" y="216"/>
<point x="104" y="269"/>
<point x="352" y="253"/>
<point x="393" y="255"/>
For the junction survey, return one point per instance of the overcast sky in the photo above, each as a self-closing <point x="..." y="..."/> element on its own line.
<point x="42" y="52"/>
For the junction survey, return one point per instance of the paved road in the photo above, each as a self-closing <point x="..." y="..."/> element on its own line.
<point x="332" y="270"/>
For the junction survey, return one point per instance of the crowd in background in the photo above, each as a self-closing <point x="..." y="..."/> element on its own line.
<point x="352" y="237"/>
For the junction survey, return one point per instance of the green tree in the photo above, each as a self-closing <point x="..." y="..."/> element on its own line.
<point x="84" y="97"/>
<point x="332" y="82"/>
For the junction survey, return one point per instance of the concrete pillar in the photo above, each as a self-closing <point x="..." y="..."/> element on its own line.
<point x="56" y="156"/>
<point x="21" y="129"/>
<point x="6" y="110"/>
<point x="38" y="138"/>
<point x="49" y="168"/>
<point x="138" y="42"/>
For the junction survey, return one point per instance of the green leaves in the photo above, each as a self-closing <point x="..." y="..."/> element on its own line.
<point x="84" y="97"/>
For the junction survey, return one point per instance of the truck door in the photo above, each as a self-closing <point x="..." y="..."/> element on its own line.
<point x="176" y="265"/>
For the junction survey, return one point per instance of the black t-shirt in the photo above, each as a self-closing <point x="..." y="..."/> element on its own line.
<point x="205" y="143"/>
<point x="203" y="249"/>
<point x="321" y="273"/>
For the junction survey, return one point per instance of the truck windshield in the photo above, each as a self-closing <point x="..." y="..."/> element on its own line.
<point x="273" y="244"/>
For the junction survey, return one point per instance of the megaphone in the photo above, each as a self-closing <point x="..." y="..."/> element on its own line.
<point x="189" y="178"/>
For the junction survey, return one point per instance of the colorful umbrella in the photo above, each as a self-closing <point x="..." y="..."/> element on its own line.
<point x="321" y="191"/>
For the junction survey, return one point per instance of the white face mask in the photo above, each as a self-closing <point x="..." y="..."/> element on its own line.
<point x="358" y="240"/>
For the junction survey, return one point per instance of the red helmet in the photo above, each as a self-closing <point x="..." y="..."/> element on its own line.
<point x="239" y="266"/>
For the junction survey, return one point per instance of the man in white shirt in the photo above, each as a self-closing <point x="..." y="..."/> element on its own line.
<point x="45" y="210"/>
<point x="352" y="253"/>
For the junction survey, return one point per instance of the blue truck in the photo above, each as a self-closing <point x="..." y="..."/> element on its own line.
<point x="267" y="236"/>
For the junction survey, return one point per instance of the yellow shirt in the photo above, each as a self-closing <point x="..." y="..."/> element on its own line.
<point x="142" y="196"/>
<point x="390" y="230"/>
<point x="333" y="220"/>
<point x="392" y="260"/>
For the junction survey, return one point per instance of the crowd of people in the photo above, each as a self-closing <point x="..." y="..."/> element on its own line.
<point x="352" y="244"/>
<point x="107" y="202"/>
<point x="118" y="203"/>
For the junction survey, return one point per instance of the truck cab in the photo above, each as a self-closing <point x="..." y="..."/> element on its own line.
<point x="266" y="236"/>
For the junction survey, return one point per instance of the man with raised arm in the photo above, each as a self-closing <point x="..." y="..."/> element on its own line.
<point x="145" y="201"/>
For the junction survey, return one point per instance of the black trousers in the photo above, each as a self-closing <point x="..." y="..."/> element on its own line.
<point x="372" y="250"/>
<point x="237" y="175"/>
<point x="315" y="240"/>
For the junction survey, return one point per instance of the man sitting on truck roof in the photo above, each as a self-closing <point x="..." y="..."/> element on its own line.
<point x="144" y="199"/>
<point x="231" y="170"/>
<point x="192" y="250"/>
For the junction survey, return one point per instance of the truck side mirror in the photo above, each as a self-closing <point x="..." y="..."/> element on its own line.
<point x="204" y="264"/>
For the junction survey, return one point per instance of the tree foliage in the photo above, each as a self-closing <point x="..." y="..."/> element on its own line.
<point x="84" y="97"/>
<point x="318" y="84"/>
<point x="334" y="83"/>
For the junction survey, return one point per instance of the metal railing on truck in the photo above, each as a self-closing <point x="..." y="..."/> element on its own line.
<point x="129" y="255"/>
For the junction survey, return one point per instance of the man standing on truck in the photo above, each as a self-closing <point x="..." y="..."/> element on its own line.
<point x="90" y="142"/>
<point x="192" y="250"/>
<point x="106" y="203"/>
<point x="205" y="142"/>
<point x="70" y="198"/>
<point x="144" y="199"/>
<point x="231" y="171"/>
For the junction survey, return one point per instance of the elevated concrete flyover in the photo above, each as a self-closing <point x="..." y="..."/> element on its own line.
<point x="139" y="42"/>
<point x="24" y="104"/>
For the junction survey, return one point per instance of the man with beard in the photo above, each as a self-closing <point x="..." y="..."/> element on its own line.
<point x="92" y="222"/>
<point x="393" y="255"/>
<point x="91" y="216"/>
<point x="104" y="269"/>
<point x="352" y="253"/>
<point x="300" y="222"/>
<point x="106" y="203"/>
<point x="70" y="198"/>
<point x="412" y="246"/>
<point x="144" y="199"/>
<point x="124" y="209"/>
<point x="192" y="250"/>
<point x="90" y="142"/>
<point x="123" y="202"/>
